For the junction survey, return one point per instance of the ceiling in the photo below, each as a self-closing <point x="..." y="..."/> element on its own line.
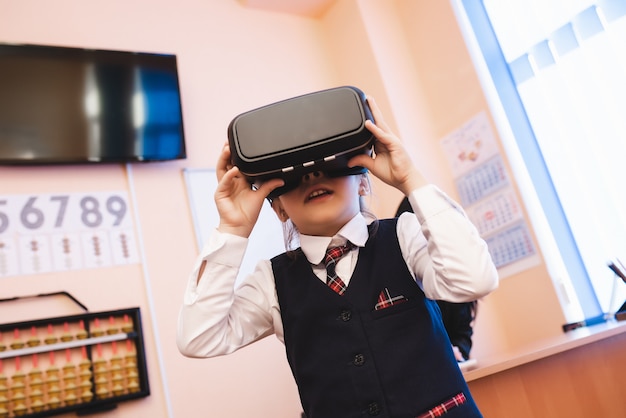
<point x="307" y="8"/>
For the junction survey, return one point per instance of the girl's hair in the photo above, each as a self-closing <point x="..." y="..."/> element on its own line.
<point x="290" y="231"/>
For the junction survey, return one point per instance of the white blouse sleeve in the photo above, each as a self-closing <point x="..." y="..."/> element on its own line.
<point x="216" y="317"/>
<point x="444" y="250"/>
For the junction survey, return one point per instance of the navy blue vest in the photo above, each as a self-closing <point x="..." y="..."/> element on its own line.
<point x="350" y="360"/>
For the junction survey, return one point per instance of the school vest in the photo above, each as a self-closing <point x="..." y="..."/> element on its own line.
<point x="352" y="360"/>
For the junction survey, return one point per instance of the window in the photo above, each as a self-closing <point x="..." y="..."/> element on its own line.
<point x="555" y="75"/>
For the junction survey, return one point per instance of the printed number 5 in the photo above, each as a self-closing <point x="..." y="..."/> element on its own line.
<point x="4" y="219"/>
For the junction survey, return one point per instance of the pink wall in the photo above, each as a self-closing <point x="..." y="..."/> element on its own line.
<point x="454" y="95"/>
<point x="232" y="59"/>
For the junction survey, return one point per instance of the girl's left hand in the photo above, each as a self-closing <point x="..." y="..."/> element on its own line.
<point x="390" y="162"/>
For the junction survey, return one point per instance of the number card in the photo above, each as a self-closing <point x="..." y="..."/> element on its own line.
<point x="59" y="232"/>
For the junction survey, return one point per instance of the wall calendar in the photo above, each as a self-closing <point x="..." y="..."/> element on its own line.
<point x="488" y="196"/>
<point x="42" y="233"/>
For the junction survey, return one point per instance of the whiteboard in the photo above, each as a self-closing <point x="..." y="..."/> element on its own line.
<point x="266" y="239"/>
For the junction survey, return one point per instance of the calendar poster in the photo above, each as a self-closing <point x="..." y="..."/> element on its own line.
<point x="488" y="197"/>
<point x="42" y="233"/>
<point x="495" y="212"/>
<point x="470" y="145"/>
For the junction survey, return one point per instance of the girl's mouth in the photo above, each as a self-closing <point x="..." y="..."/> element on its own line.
<point x="317" y="193"/>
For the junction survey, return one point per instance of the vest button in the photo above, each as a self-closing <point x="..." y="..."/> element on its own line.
<point x="373" y="408"/>
<point x="346" y="315"/>
<point x="359" y="360"/>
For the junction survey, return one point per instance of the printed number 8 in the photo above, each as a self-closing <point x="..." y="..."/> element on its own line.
<point x="91" y="215"/>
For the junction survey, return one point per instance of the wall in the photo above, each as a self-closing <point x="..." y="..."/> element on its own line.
<point x="408" y="54"/>
<point x="454" y="94"/>
<point x="430" y="88"/>
<point x="230" y="60"/>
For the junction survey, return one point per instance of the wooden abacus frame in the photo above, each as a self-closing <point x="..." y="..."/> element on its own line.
<point x="109" y="381"/>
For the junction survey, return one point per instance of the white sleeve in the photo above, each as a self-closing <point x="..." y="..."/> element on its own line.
<point x="443" y="249"/>
<point x="218" y="318"/>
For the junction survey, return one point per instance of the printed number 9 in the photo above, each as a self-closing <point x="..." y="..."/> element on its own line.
<point x="116" y="207"/>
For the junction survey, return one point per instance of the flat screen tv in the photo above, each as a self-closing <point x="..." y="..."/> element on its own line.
<point x="61" y="105"/>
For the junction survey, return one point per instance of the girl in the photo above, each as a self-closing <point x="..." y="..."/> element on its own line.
<point x="371" y="342"/>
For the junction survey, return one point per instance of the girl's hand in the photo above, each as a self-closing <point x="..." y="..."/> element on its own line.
<point x="390" y="162"/>
<point x="237" y="203"/>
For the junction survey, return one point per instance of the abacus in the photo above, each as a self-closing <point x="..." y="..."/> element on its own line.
<point x="85" y="363"/>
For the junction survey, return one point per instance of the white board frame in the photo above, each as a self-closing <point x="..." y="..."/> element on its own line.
<point x="266" y="239"/>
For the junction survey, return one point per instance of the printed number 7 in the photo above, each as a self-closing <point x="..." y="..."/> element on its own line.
<point x="62" y="208"/>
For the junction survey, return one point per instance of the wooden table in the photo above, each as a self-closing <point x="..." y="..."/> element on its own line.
<point x="581" y="373"/>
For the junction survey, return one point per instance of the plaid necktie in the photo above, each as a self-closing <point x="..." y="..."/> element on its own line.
<point x="332" y="256"/>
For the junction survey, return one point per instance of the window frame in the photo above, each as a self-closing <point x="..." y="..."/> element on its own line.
<point x="571" y="279"/>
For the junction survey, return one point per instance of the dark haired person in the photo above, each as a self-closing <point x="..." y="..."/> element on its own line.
<point x="458" y="318"/>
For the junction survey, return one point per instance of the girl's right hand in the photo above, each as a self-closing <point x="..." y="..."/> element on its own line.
<point x="237" y="203"/>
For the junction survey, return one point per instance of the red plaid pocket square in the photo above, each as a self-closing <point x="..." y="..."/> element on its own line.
<point x="385" y="300"/>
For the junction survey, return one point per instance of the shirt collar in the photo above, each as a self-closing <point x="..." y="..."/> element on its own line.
<point x="355" y="231"/>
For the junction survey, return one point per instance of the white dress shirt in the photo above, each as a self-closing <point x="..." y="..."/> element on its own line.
<point x="441" y="247"/>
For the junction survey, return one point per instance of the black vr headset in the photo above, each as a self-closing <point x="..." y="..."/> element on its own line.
<point x="319" y="131"/>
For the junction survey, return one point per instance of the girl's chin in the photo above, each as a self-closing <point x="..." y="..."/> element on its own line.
<point x="323" y="224"/>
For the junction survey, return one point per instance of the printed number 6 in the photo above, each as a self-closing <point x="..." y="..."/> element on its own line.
<point x="28" y="212"/>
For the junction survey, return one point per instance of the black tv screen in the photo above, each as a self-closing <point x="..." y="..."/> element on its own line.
<point x="61" y="105"/>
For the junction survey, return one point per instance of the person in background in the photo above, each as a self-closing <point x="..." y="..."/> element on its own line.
<point x="362" y="334"/>
<point x="458" y="318"/>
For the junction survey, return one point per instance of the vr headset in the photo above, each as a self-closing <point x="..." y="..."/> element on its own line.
<point x="318" y="131"/>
